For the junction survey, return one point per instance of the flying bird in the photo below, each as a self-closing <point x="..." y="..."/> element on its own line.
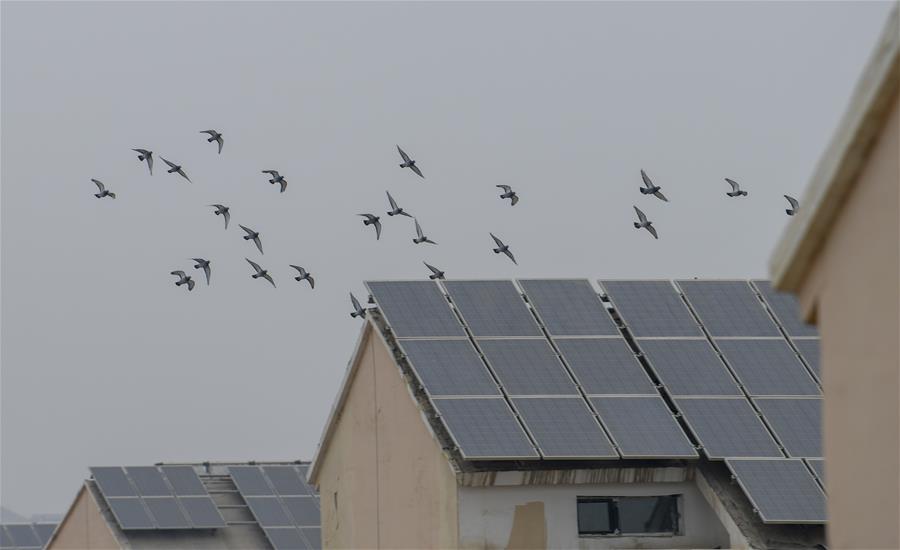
<point x="276" y="178"/>
<point x="795" y="206"/>
<point x="395" y="210"/>
<point x="254" y="236"/>
<point x="224" y="211"/>
<point x="204" y="265"/>
<point x="214" y="136"/>
<point x="145" y="155"/>
<point x="183" y="279"/>
<point x="175" y="168"/>
<point x="644" y="223"/>
<point x="650" y="189"/>
<point x="421" y="238"/>
<point x="260" y="272"/>
<point x="508" y="193"/>
<point x="358" y="310"/>
<point x="504" y="248"/>
<point x="435" y="272"/>
<point x="304" y="274"/>
<point x="371" y="219"/>
<point x="103" y="191"/>
<point x="735" y="189"/>
<point x="409" y="163"/>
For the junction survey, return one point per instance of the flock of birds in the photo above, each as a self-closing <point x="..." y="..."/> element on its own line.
<point x="369" y="219"/>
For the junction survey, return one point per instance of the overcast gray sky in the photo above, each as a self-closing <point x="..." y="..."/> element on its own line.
<point x="105" y="361"/>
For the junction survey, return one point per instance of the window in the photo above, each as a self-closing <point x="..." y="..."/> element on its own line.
<point x="657" y="515"/>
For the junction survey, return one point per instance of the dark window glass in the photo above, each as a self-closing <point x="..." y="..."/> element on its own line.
<point x="595" y="516"/>
<point x="628" y="515"/>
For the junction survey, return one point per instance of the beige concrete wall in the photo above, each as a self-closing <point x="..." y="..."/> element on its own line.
<point x="84" y="528"/>
<point x="853" y="293"/>
<point x="384" y="481"/>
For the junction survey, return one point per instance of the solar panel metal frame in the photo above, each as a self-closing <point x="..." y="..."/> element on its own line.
<point x="557" y="328"/>
<point x="670" y="381"/>
<point x="590" y="430"/>
<point x="771" y="329"/>
<point x="480" y="317"/>
<point x="801" y="473"/>
<point x="818" y="469"/>
<point x="613" y="427"/>
<point x="787" y="425"/>
<point x="513" y="373"/>
<point x="688" y="325"/>
<point x="599" y="378"/>
<point x="399" y="326"/>
<point x="754" y="387"/>
<point x="114" y="502"/>
<point x="504" y="409"/>
<point x="313" y="536"/>
<point x="692" y="424"/>
<point x="428" y="377"/>
<point x="777" y="301"/>
<point x="811" y="358"/>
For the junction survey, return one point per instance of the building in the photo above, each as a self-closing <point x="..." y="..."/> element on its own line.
<point x="25" y="536"/>
<point x="240" y="506"/>
<point x="543" y="414"/>
<point x="841" y="256"/>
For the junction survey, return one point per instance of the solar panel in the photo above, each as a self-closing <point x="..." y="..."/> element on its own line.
<point x="130" y="513"/>
<point x="729" y="308"/>
<point x="5" y="540"/>
<point x="250" y="481"/>
<point x="268" y="511"/>
<point x="564" y="427"/>
<point x="796" y="422"/>
<point x="184" y="480"/>
<point x="149" y="481"/>
<point x="689" y="367"/>
<point x="449" y="367"/>
<point x="569" y="307"/>
<point x="484" y="428"/>
<point x="728" y="427"/>
<point x="286" y="539"/>
<point x="415" y="309"/>
<point x="767" y="367"/>
<point x="786" y="309"/>
<point x="112" y="481"/>
<point x="22" y="534"/>
<point x="643" y="427"/>
<point x="166" y="512"/>
<point x="605" y="366"/>
<point x="202" y="512"/>
<point x="651" y="308"/>
<point x="303" y="510"/>
<point x="492" y="308"/>
<point x="44" y="532"/>
<point x="818" y="466"/>
<point x="313" y="536"/>
<point x="809" y="350"/>
<point x="528" y="367"/>
<point x="286" y="480"/>
<point x="782" y="491"/>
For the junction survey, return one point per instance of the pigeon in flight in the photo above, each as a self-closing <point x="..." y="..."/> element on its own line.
<point x="504" y="248"/>
<point x="103" y="191"/>
<point x="304" y="274"/>
<point x="644" y="223"/>
<point x="420" y="237"/>
<point x="254" y="236"/>
<point x="204" y="265"/>
<point x="214" y="136"/>
<point x="224" y="211"/>
<point x="145" y="155"/>
<point x="409" y="163"/>
<point x="650" y="189"/>
<point x="358" y="310"/>
<point x="371" y="219"/>
<point x="175" y="168"/>
<point x="508" y="193"/>
<point x="735" y="189"/>
<point x="435" y="272"/>
<point x="183" y="279"/>
<point x="795" y="206"/>
<point x="260" y="272"/>
<point x="395" y="210"/>
<point x="276" y="178"/>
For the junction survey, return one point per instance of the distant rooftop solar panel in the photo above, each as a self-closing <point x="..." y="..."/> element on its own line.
<point x="184" y="480"/>
<point x="268" y="511"/>
<point x="643" y="427"/>
<point x="767" y="367"/>
<point x="415" y="309"/>
<point x="492" y="308"/>
<point x="286" y="538"/>
<point x="569" y="307"/>
<point x="689" y="367"/>
<point x="44" y="531"/>
<point x="605" y="366"/>
<point x="728" y="427"/>
<point x="286" y="480"/>
<point x="809" y="350"/>
<point x="250" y="481"/>
<point x="202" y="512"/>
<point x="651" y="308"/>
<point x="167" y="513"/>
<point x="130" y="513"/>
<point x="313" y="536"/>
<point x="786" y="309"/>
<point x="527" y="367"/>
<point x="797" y="424"/>
<point x="782" y="491"/>
<point x="729" y="308"/>
<point x="303" y="510"/>
<point x="564" y="427"/>
<point x="23" y="535"/>
<point x="5" y="540"/>
<point x="112" y="481"/>
<point x="484" y="428"/>
<point x="449" y="367"/>
<point x="148" y="480"/>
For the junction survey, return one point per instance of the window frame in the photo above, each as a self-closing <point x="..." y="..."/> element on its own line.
<point x="614" y="520"/>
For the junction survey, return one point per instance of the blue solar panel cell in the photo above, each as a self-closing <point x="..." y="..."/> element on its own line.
<point x="449" y="367"/>
<point x="202" y="512"/>
<point x="130" y="513"/>
<point x="728" y="427"/>
<point x="564" y="427"/>
<point x="23" y="534"/>
<point x="605" y="366"/>
<point x="643" y="427"/>
<point x="492" y="308"/>
<point x="782" y="491"/>
<point x="729" y="308"/>
<point x="250" y="481"/>
<point x="167" y="513"/>
<point x="652" y="309"/>
<point x="569" y="307"/>
<point x="112" y="481"/>
<point x="148" y="480"/>
<point x="767" y="367"/>
<point x="184" y="480"/>
<point x="528" y="367"/>
<point x="415" y="309"/>
<point x="484" y="428"/>
<point x="689" y="367"/>
<point x="786" y="309"/>
<point x="797" y="424"/>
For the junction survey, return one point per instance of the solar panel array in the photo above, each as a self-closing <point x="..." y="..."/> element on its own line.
<point x="781" y="490"/>
<point x="25" y="536"/>
<point x="282" y="503"/>
<point x="154" y="497"/>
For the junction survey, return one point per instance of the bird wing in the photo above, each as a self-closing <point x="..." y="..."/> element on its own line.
<point x="183" y="174"/>
<point x="432" y="268"/>
<point x="415" y="169"/>
<point x="171" y="165"/>
<point x="254" y="264"/>
<point x="283" y="183"/>
<point x="403" y="155"/>
<point x="514" y="199"/>
<point x="377" y="229"/>
<point x="418" y="228"/>
<point x="178" y="273"/>
<point x="392" y="201"/>
<point x="212" y="133"/>
<point x="354" y="301"/>
<point x="227" y="215"/>
<point x="247" y="229"/>
<point x="141" y="151"/>
<point x="149" y="158"/>
<point x="660" y="196"/>
<point x="298" y="268"/>
<point x="269" y="278"/>
<point x="207" y="271"/>
<point x="652" y="231"/>
<point x="190" y="283"/>
<point x="640" y="215"/>
<point x="99" y="184"/>
<point x="368" y="217"/>
<point x="221" y="142"/>
<point x="506" y="188"/>
<point x="734" y="185"/>
<point x="258" y="243"/>
<point x="794" y="204"/>
<point x="511" y="257"/>
<point x="273" y="173"/>
<point x="312" y="282"/>
<point x="497" y="241"/>
<point x="647" y="182"/>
